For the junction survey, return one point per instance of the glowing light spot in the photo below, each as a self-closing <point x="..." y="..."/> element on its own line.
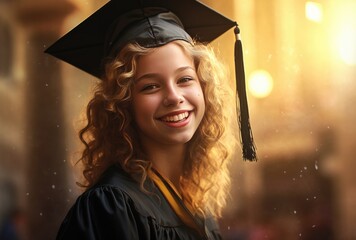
<point x="314" y="11"/>
<point x="260" y="83"/>
<point x="346" y="45"/>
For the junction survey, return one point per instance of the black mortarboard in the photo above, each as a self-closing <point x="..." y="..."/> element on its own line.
<point x="151" y="23"/>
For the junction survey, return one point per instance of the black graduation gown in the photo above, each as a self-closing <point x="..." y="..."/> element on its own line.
<point x="116" y="208"/>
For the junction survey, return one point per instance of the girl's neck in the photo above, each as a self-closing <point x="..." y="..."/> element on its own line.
<point x="168" y="160"/>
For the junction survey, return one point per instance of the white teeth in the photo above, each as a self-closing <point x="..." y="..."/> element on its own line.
<point x="176" y="118"/>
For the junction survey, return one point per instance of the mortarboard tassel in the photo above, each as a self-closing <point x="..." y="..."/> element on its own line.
<point x="248" y="146"/>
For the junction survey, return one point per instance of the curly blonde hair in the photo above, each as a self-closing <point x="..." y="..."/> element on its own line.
<point x="109" y="136"/>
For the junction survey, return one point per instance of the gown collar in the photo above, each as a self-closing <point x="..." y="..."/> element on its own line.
<point x="175" y="200"/>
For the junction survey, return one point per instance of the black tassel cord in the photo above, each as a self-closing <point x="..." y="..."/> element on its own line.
<point x="248" y="145"/>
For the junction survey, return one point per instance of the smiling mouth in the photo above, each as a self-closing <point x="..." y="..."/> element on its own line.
<point x="175" y="118"/>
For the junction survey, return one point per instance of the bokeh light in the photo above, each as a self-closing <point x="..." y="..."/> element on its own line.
<point x="260" y="83"/>
<point x="314" y="11"/>
<point x="346" y="45"/>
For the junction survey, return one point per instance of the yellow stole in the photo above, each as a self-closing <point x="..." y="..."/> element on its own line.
<point x="175" y="201"/>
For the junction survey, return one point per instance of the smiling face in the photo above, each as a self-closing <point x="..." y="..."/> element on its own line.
<point x="168" y="101"/>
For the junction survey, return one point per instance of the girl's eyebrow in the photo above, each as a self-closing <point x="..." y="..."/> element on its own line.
<point x="148" y="75"/>
<point x="181" y="69"/>
<point x="155" y="75"/>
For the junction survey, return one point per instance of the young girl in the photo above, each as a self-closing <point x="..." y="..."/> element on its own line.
<point x="157" y="138"/>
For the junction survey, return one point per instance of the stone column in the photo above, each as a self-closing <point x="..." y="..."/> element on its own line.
<point x="45" y="140"/>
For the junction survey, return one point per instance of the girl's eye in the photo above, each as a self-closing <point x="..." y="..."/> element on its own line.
<point x="185" y="79"/>
<point x="149" y="87"/>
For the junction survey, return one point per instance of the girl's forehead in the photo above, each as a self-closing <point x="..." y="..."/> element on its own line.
<point x="167" y="59"/>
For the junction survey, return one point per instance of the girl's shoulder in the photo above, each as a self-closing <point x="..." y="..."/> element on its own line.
<point x="116" y="208"/>
<point x="116" y="188"/>
<point x="112" y="209"/>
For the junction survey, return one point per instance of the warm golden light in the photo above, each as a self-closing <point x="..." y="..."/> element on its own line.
<point x="342" y="29"/>
<point x="347" y="45"/>
<point x="260" y="83"/>
<point x="314" y="11"/>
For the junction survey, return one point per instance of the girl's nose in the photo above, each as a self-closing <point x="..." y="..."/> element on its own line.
<point x="173" y="97"/>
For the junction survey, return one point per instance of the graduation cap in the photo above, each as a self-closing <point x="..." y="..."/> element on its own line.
<point x="151" y="23"/>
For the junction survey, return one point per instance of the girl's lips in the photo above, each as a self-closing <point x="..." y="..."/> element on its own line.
<point x="177" y="117"/>
<point x="176" y="120"/>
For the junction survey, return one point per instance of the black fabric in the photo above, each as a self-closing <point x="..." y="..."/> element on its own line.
<point x="158" y="28"/>
<point x="116" y="208"/>
<point x="84" y="46"/>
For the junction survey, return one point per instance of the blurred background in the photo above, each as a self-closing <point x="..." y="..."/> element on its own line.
<point x="300" y="62"/>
